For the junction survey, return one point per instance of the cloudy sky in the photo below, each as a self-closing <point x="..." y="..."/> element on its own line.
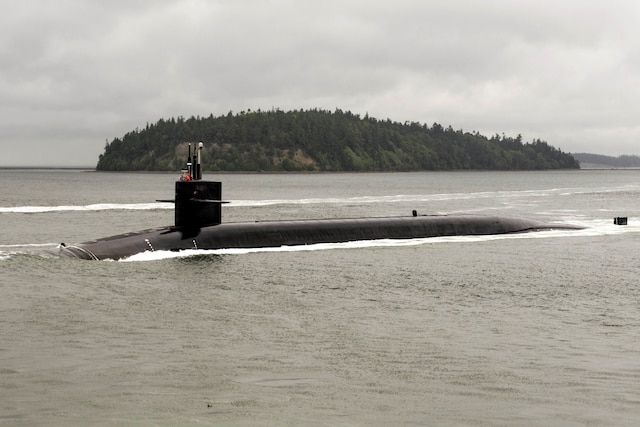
<point x="76" y="73"/>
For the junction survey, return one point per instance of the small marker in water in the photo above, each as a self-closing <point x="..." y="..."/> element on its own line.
<point x="620" y="220"/>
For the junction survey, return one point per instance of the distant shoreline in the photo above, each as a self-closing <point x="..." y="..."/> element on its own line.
<point x="606" y="167"/>
<point x="79" y="168"/>
<point x="93" y="169"/>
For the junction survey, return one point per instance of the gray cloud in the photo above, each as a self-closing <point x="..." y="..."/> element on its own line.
<point x="74" y="74"/>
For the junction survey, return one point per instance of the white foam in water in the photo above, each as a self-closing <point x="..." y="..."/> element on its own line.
<point x="8" y="251"/>
<point x="160" y="255"/>
<point x="93" y="207"/>
<point x="33" y="245"/>
<point x="423" y="197"/>
<point x="592" y="228"/>
<point x="386" y="199"/>
<point x="310" y="201"/>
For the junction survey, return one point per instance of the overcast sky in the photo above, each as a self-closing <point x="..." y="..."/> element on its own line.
<point x="76" y="73"/>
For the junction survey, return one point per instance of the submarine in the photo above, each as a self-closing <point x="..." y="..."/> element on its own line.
<point x="198" y="225"/>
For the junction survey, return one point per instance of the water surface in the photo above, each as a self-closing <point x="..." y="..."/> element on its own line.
<point x="532" y="329"/>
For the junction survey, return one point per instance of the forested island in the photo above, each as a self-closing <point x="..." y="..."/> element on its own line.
<point x="321" y="140"/>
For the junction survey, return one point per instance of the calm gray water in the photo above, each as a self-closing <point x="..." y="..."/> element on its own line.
<point x="529" y="330"/>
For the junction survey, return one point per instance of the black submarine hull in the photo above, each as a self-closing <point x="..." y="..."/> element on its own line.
<point x="198" y="225"/>
<point x="298" y="232"/>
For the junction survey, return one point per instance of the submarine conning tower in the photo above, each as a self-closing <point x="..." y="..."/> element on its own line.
<point x="198" y="203"/>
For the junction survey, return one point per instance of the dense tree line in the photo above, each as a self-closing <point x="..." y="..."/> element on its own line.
<point x="320" y="140"/>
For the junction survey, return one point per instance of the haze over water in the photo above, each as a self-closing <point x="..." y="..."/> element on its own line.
<point x="530" y="329"/>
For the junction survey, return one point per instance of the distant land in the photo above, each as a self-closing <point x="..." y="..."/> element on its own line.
<point x="598" y="161"/>
<point x="321" y="140"/>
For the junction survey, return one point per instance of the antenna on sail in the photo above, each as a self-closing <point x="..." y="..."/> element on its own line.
<point x="190" y="163"/>
<point x="187" y="170"/>
<point x="198" y="168"/>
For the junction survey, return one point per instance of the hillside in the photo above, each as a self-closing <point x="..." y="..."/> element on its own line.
<point x="319" y="140"/>
<point x="599" y="161"/>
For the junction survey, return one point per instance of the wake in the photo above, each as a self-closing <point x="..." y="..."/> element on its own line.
<point x="86" y="208"/>
<point x="9" y="251"/>
<point x="399" y="198"/>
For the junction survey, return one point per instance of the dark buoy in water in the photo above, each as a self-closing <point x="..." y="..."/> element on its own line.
<point x="620" y="220"/>
<point x="198" y="225"/>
